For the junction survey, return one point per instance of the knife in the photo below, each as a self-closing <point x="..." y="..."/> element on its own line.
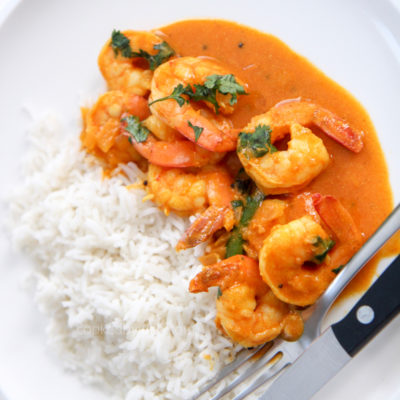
<point x="331" y="351"/>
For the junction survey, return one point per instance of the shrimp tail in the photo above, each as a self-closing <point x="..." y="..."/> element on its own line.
<point x="227" y="273"/>
<point x="339" y="130"/>
<point x="337" y="218"/>
<point x="219" y="274"/>
<point x="305" y="112"/>
<point x="209" y="222"/>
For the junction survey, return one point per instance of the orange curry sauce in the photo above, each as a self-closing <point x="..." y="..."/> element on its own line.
<point x="274" y="73"/>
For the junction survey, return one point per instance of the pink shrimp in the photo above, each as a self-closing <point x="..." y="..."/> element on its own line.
<point x="247" y="310"/>
<point x="217" y="133"/>
<point x="299" y="260"/>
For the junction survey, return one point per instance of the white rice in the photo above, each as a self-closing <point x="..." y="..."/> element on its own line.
<point x="107" y="276"/>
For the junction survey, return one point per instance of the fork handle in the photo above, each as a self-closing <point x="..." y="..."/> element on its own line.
<point x="372" y="312"/>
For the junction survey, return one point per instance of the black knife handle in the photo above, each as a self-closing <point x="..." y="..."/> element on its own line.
<point x="372" y="312"/>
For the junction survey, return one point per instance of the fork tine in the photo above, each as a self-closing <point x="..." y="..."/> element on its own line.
<point x="243" y="356"/>
<point x="253" y="368"/>
<point x="278" y="366"/>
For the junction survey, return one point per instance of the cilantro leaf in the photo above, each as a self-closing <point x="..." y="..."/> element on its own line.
<point x="323" y="246"/>
<point x="219" y="293"/>
<point x="234" y="245"/>
<point x="197" y="131"/>
<point x="121" y="44"/>
<point x="135" y="128"/>
<point x="237" y="203"/>
<point x="257" y="143"/>
<point x="177" y="95"/>
<point x="202" y="93"/>
<point x="225" y="84"/>
<point x="165" y="51"/>
<point x="252" y="204"/>
<point x="235" y="242"/>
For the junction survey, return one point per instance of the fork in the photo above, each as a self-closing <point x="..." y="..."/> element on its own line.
<point x="277" y="355"/>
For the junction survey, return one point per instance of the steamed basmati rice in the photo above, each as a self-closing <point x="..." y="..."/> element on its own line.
<point x="108" y="278"/>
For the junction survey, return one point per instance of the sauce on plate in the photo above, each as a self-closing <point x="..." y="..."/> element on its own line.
<point x="274" y="72"/>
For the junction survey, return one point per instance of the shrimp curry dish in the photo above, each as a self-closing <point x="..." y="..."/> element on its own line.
<point x="279" y="168"/>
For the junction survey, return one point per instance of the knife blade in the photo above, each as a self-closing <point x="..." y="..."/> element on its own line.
<point x="331" y="351"/>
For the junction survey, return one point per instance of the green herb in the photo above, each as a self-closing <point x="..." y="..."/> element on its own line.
<point x="121" y="44"/>
<point x="234" y="244"/>
<point x="252" y="204"/>
<point x="135" y="129"/>
<point x="177" y="95"/>
<point x="243" y="183"/>
<point x="202" y="93"/>
<point x="225" y="84"/>
<point x="197" y="131"/>
<point x="322" y="248"/>
<point x="219" y="293"/>
<point x="165" y="51"/>
<point x="257" y="143"/>
<point x="338" y="269"/>
<point x="237" y="203"/>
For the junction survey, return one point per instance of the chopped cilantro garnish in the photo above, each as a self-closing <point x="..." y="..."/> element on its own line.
<point x="322" y="248"/>
<point x="219" y="293"/>
<point x="257" y="143"/>
<point x="197" y="131"/>
<point x="177" y="95"/>
<point x="338" y="269"/>
<point x="121" y="44"/>
<point x="252" y="204"/>
<point x="234" y="244"/>
<point x="225" y="84"/>
<point x="135" y="128"/>
<point x="165" y="51"/>
<point x="237" y="203"/>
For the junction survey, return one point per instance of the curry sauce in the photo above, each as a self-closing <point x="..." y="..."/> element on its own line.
<point x="274" y="73"/>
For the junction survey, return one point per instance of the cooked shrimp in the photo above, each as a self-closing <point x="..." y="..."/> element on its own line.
<point x="285" y="113"/>
<point x="126" y="73"/>
<point x="172" y="149"/>
<point x="296" y="259"/>
<point x="102" y="135"/>
<point x="289" y="170"/>
<point x="277" y="172"/>
<point x="161" y="130"/>
<point x="188" y="193"/>
<point x="217" y="131"/>
<point x="270" y="213"/>
<point x="247" y="310"/>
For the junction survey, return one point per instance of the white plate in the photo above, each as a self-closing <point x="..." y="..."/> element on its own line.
<point x="48" y="59"/>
